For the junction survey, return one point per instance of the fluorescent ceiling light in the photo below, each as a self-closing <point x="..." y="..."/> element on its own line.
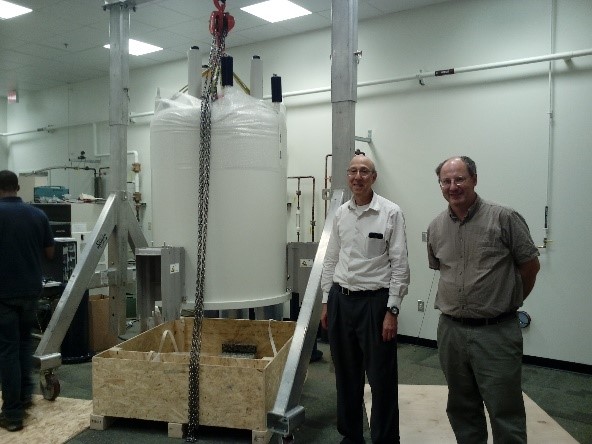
<point x="276" y="10"/>
<point x="138" y="48"/>
<point x="10" y="10"/>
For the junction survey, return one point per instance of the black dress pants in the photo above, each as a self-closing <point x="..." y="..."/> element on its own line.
<point x="355" y="338"/>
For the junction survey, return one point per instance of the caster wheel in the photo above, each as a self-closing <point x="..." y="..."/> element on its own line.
<point x="50" y="386"/>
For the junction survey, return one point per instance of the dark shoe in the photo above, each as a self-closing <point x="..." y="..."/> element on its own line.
<point x="10" y="425"/>
<point x="27" y="404"/>
<point x="352" y="441"/>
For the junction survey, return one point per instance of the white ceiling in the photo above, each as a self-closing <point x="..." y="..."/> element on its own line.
<point x="61" y="41"/>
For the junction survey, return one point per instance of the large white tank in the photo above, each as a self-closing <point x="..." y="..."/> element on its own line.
<point x="246" y="237"/>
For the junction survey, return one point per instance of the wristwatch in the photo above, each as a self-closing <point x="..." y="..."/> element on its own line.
<point x="394" y="310"/>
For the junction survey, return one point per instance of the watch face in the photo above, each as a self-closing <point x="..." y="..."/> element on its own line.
<point x="394" y="310"/>
<point x="523" y="319"/>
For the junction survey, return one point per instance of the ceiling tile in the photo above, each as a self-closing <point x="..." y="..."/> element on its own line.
<point x="79" y="39"/>
<point x="157" y="16"/>
<point x="41" y="51"/>
<point x="62" y="40"/>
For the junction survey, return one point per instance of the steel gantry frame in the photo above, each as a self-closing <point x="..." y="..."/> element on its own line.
<point x="116" y="226"/>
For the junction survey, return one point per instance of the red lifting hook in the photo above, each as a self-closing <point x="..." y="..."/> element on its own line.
<point x="220" y="22"/>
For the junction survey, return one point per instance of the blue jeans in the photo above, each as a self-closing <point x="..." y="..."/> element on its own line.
<point x="17" y="317"/>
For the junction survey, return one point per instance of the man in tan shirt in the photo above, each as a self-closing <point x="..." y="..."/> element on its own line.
<point x="488" y="265"/>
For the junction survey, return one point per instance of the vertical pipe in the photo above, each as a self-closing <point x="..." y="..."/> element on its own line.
<point x="256" y="80"/>
<point x="326" y="179"/>
<point x="298" y="193"/>
<point x="194" y="71"/>
<point x="312" y="217"/>
<point x="344" y="41"/>
<point x="550" y="134"/>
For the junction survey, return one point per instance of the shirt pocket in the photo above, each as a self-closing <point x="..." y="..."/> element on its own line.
<point x="375" y="245"/>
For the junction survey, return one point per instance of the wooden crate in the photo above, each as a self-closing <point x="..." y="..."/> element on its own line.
<point x="133" y="380"/>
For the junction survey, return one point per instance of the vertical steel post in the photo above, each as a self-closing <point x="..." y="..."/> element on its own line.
<point x="344" y="79"/>
<point x="118" y="121"/>
<point x="286" y="414"/>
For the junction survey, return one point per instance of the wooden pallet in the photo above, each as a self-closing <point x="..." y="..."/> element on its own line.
<point x="175" y="430"/>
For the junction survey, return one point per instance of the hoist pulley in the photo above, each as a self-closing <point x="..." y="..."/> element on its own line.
<point x="220" y="22"/>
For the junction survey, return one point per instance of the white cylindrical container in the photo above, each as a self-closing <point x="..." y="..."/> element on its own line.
<point x="194" y="72"/>
<point x="256" y="84"/>
<point x="246" y="237"/>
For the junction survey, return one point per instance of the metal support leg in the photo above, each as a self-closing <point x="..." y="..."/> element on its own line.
<point x="287" y="415"/>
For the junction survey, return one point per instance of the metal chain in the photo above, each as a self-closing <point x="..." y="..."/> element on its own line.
<point x="208" y="97"/>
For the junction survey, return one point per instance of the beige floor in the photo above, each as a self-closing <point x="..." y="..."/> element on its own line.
<point x="51" y="422"/>
<point x="423" y="418"/>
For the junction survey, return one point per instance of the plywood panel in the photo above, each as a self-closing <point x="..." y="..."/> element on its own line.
<point x="51" y="422"/>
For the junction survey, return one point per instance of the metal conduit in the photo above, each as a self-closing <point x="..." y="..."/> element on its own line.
<point x="449" y="71"/>
<point x="418" y="76"/>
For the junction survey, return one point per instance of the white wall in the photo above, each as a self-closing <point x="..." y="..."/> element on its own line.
<point x="500" y="118"/>
<point x="3" y="141"/>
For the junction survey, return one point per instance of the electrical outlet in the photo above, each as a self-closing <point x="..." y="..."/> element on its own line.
<point x="424" y="236"/>
<point x="420" y="305"/>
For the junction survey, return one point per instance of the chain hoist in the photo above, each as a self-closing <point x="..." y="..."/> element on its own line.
<point x="220" y="24"/>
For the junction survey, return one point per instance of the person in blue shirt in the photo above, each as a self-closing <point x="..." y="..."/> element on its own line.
<point x="25" y="235"/>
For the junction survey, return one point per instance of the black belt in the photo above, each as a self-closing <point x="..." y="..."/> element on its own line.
<point x="349" y="292"/>
<point x="479" y="322"/>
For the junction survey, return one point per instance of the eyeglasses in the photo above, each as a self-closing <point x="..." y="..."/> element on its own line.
<point x="458" y="181"/>
<point x="364" y="173"/>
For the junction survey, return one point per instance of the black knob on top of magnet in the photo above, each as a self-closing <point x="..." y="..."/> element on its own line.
<point x="276" y="89"/>
<point x="227" y="71"/>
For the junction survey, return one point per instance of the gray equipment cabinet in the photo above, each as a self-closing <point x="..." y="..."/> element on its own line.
<point x="160" y="277"/>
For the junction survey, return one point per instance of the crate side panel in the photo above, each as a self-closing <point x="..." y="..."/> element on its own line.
<point x="138" y="389"/>
<point x="232" y="397"/>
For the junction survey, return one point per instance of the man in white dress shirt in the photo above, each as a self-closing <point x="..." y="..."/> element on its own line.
<point x="365" y="277"/>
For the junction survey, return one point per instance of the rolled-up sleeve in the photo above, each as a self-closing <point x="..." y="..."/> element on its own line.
<point x="398" y="257"/>
<point x="331" y="258"/>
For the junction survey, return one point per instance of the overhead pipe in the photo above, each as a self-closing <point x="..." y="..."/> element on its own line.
<point x="66" y="167"/>
<point x="419" y="76"/>
<point x="449" y="71"/>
